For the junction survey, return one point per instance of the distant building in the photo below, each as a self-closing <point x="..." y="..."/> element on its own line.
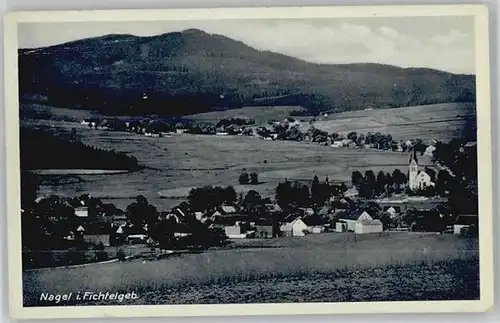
<point x="429" y="151"/>
<point x="348" y="220"/>
<point x="337" y="144"/>
<point x="296" y="228"/>
<point x="392" y="212"/>
<point x="368" y="226"/>
<point x="265" y="230"/>
<point x="233" y="230"/>
<point x="465" y="222"/>
<point x="95" y="239"/>
<point x="82" y="212"/>
<point x="315" y="224"/>
<point x="417" y="179"/>
<point x="199" y="216"/>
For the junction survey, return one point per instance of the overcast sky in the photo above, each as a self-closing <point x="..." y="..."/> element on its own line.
<point x="444" y="43"/>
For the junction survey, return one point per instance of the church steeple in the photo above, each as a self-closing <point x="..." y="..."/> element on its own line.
<point x="413" y="169"/>
<point x="413" y="156"/>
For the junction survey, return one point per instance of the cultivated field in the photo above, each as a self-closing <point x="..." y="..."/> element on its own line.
<point x="437" y="121"/>
<point x="323" y="267"/>
<point x="178" y="163"/>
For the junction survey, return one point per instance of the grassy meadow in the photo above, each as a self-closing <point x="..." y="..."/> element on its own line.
<point x="322" y="267"/>
<point x="426" y="122"/>
<point x="261" y="114"/>
<point x="178" y="163"/>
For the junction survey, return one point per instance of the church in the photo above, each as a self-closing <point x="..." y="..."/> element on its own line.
<point x="417" y="179"/>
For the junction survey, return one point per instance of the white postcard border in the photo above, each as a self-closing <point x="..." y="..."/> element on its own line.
<point x="479" y="12"/>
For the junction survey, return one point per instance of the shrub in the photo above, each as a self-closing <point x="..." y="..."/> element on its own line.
<point x="120" y="255"/>
<point x="244" y="178"/>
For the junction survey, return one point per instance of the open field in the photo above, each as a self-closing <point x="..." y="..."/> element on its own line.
<point x="323" y="267"/>
<point x="41" y="111"/>
<point x="178" y="163"/>
<point x="437" y="121"/>
<point x="261" y="114"/>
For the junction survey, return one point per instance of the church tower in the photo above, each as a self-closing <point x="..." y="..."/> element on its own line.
<point x="413" y="170"/>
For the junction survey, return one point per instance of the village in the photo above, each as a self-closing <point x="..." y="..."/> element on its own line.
<point x="422" y="201"/>
<point x="287" y="129"/>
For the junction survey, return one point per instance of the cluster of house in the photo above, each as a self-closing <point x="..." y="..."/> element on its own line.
<point x="304" y="222"/>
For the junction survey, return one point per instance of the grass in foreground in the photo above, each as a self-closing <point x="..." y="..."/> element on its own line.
<point x="313" y="269"/>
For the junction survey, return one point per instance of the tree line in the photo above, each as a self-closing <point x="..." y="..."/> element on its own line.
<point x="44" y="150"/>
<point x="370" y="186"/>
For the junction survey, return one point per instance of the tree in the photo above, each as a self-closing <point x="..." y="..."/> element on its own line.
<point x="389" y="182"/>
<point x="352" y="135"/>
<point x="399" y="178"/>
<point x="244" y="178"/>
<point x="301" y="194"/>
<point x="142" y="213"/>
<point x="254" y="178"/>
<point x="370" y="183"/>
<point x="380" y="183"/>
<point x="230" y="195"/>
<point x="356" y="178"/>
<point x="315" y="189"/>
<point x="284" y="194"/>
<point x="252" y="200"/>
<point x="442" y="182"/>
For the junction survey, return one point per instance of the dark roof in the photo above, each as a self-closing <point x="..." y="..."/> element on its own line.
<point x="467" y="219"/>
<point x="313" y="220"/>
<point x="351" y="215"/>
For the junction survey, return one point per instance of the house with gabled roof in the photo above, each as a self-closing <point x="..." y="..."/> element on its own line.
<point x="295" y="228"/>
<point x="348" y="220"/>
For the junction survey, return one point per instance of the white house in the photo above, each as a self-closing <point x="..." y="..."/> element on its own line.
<point x="337" y="144"/>
<point x="82" y="212"/>
<point x="348" y="220"/>
<point x="417" y="179"/>
<point x="180" y="131"/>
<point x="429" y="151"/>
<point x="392" y="212"/>
<point x="368" y="226"/>
<point x="296" y="228"/>
<point x="198" y="215"/>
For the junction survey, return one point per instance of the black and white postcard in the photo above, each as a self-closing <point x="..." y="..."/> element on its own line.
<point x="248" y="161"/>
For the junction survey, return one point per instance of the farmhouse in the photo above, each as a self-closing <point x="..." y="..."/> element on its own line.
<point x="348" y="220"/>
<point x="368" y="226"/>
<point x="237" y="231"/>
<point x="465" y="222"/>
<point x="296" y="228"/>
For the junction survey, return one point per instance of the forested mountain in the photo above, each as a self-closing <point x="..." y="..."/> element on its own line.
<point x="192" y="71"/>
